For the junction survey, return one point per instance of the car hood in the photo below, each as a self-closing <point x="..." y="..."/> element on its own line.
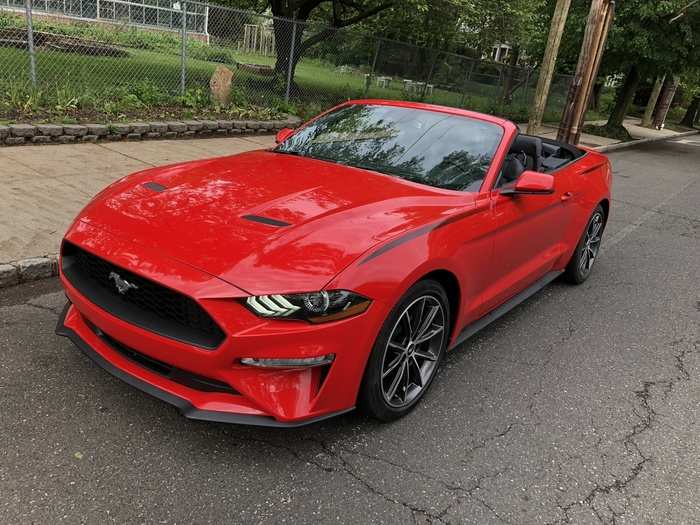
<point x="321" y="216"/>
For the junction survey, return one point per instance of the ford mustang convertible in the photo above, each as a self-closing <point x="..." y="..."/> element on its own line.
<point x="283" y="286"/>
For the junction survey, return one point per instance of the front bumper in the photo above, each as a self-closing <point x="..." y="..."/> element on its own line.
<point x="277" y="397"/>
<point x="70" y="316"/>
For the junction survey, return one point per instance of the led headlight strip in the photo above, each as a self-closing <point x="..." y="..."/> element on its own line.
<point x="315" y="307"/>
<point x="271" y="305"/>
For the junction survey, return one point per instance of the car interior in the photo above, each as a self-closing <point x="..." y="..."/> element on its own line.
<point x="535" y="154"/>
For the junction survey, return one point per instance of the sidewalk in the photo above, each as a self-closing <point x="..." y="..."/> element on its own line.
<point x="632" y="125"/>
<point x="42" y="188"/>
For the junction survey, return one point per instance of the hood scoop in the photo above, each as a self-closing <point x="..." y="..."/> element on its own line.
<point x="155" y="186"/>
<point x="266" y="220"/>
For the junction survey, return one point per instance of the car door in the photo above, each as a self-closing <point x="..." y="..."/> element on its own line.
<point x="528" y="237"/>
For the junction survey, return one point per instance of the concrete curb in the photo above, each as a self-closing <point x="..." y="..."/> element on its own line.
<point x="27" y="270"/>
<point x="19" y="134"/>
<point x="631" y="143"/>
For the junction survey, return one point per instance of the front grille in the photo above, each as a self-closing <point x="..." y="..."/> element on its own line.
<point x="177" y="375"/>
<point x="146" y="304"/>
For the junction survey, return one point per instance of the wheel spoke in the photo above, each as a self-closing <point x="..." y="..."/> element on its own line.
<point x="397" y="380"/>
<point x="429" y="335"/>
<point x="419" y="377"/>
<point x="591" y="257"/>
<point x="425" y="324"/>
<point x="409" y="328"/>
<point x="584" y="259"/>
<point x="425" y="354"/>
<point x="397" y="346"/>
<point x="392" y="366"/>
<point x="419" y="325"/>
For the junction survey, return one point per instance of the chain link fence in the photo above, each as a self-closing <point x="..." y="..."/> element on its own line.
<point x="156" y="53"/>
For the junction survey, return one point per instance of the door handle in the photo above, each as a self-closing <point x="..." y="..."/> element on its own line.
<point x="566" y="195"/>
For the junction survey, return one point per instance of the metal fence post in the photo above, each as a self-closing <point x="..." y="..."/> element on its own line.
<point x="183" y="50"/>
<point x="430" y="75"/>
<point x="30" y="42"/>
<point x="290" y="66"/>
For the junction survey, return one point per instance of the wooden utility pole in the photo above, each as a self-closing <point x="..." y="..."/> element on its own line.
<point x="556" y="30"/>
<point x="651" y="103"/>
<point x="600" y="18"/>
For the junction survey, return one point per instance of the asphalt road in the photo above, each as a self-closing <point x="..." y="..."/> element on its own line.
<point x="580" y="406"/>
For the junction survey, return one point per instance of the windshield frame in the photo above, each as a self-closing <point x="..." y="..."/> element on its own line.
<point x="507" y="129"/>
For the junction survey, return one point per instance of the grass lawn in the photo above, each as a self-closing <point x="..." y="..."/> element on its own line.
<point x="71" y="76"/>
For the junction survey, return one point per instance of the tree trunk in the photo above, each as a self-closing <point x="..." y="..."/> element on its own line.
<point x="595" y="96"/>
<point x="665" y="99"/>
<point x="507" y="94"/>
<point x="284" y="29"/>
<point x="653" y="99"/>
<point x="623" y="99"/>
<point x="692" y="114"/>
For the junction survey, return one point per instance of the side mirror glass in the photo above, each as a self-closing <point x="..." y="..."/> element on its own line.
<point x="531" y="183"/>
<point x="283" y="134"/>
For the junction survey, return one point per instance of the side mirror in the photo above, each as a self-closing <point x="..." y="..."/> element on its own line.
<point x="531" y="183"/>
<point x="283" y="134"/>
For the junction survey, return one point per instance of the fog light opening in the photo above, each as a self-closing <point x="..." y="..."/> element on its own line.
<point x="302" y="362"/>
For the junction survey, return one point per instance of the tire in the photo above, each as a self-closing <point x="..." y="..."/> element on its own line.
<point x="581" y="264"/>
<point x="384" y="394"/>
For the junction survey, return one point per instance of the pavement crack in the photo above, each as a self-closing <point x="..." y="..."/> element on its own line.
<point x="486" y="441"/>
<point x="646" y="416"/>
<point x="56" y="311"/>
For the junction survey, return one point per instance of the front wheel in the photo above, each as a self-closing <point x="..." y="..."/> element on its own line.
<point x="407" y="352"/>
<point x="586" y="253"/>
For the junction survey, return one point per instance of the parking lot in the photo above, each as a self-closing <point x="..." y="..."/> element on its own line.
<point x="580" y="406"/>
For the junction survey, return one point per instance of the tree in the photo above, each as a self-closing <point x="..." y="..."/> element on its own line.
<point x="643" y="43"/>
<point x="691" y="88"/>
<point x="691" y="115"/>
<point x="295" y="17"/>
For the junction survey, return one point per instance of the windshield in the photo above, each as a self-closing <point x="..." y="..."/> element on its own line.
<point x="429" y="147"/>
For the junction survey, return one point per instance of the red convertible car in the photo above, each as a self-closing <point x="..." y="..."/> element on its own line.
<point x="283" y="286"/>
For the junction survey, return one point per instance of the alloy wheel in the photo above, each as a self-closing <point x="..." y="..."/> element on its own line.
<point x="591" y="243"/>
<point x="411" y="355"/>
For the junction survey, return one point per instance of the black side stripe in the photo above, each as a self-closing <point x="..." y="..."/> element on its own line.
<point x="420" y="231"/>
<point x="266" y="220"/>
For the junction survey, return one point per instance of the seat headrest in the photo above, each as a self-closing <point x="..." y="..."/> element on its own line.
<point x="531" y="146"/>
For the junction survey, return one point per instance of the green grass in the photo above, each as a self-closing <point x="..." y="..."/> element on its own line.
<point x="153" y="66"/>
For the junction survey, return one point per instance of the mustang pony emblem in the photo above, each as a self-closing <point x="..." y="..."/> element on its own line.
<point x="123" y="285"/>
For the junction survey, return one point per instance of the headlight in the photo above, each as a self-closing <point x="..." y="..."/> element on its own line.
<point x="315" y="307"/>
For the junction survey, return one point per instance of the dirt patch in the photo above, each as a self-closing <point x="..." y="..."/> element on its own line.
<point x="12" y="37"/>
<point x="258" y="69"/>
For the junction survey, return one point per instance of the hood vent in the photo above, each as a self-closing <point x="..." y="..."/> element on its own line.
<point x="155" y="186"/>
<point x="266" y="220"/>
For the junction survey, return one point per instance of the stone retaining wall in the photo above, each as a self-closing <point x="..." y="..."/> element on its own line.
<point x="17" y="134"/>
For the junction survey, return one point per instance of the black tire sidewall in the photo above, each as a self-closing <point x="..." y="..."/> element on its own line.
<point x="371" y="399"/>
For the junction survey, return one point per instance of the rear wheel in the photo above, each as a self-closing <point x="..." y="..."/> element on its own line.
<point x="407" y="352"/>
<point x="586" y="253"/>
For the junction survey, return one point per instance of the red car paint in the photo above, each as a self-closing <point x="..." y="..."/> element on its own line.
<point x="192" y="238"/>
